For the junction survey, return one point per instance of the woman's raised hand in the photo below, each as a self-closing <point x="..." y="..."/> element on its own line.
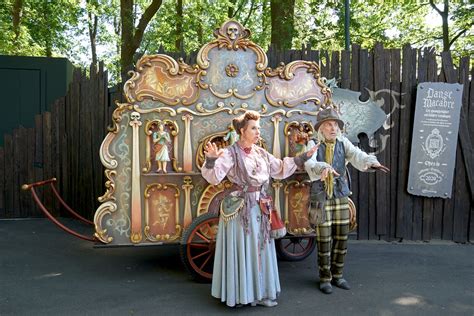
<point x="313" y="149"/>
<point x="211" y="150"/>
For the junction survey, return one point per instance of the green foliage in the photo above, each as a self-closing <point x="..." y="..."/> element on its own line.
<point x="45" y="28"/>
<point x="60" y="27"/>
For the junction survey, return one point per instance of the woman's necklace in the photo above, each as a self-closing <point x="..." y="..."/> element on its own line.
<point x="246" y="150"/>
<point x="256" y="168"/>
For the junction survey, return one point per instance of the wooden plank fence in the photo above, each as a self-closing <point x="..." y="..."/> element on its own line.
<point x="65" y="143"/>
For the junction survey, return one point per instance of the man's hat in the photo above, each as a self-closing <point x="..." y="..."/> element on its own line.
<point x="328" y="114"/>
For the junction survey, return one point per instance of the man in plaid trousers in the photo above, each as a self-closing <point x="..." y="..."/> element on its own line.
<point x="326" y="169"/>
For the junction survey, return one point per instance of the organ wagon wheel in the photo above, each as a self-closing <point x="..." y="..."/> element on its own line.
<point x="292" y="248"/>
<point x="198" y="246"/>
<point x="199" y="239"/>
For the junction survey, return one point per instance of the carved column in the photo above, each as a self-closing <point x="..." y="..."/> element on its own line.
<point x="276" y="188"/>
<point x="136" y="210"/>
<point x="188" y="216"/>
<point x="187" y="148"/>
<point x="276" y="119"/>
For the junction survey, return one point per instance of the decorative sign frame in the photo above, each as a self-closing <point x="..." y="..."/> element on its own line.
<point x="435" y="137"/>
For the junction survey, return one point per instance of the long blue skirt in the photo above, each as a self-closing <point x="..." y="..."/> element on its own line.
<point x="245" y="267"/>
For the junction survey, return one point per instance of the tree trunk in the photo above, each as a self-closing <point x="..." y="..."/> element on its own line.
<point x="48" y="49"/>
<point x="230" y="9"/>
<point x="16" y="17"/>
<point x="118" y="32"/>
<point x="265" y="7"/>
<point x="132" y="36"/>
<point x="92" y="25"/>
<point x="444" y="16"/>
<point x="282" y="14"/>
<point x="179" y="26"/>
<point x="199" y="31"/>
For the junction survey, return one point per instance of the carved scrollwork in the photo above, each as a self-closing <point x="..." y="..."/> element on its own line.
<point x="232" y="92"/>
<point x="107" y="159"/>
<point x="232" y="36"/>
<point x="109" y="185"/>
<point x="306" y="85"/>
<point x="201" y="111"/>
<point x="171" y="111"/>
<point x="161" y="78"/>
<point x="104" y="209"/>
<point x="117" y="116"/>
<point x="291" y="112"/>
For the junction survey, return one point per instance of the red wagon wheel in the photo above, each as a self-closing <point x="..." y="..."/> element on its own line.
<point x="295" y="248"/>
<point x="198" y="247"/>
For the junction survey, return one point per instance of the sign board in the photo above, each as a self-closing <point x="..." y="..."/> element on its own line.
<point x="435" y="136"/>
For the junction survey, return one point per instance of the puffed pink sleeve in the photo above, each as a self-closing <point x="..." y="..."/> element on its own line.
<point x="221" y="167"/>
<point x="281" y="169"/>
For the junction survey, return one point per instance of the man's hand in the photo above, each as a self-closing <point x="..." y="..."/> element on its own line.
<point x="326" y="172"/>
<point x="380" y="167"/>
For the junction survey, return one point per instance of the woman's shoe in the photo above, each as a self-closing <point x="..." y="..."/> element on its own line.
<point x="266" y="303"/>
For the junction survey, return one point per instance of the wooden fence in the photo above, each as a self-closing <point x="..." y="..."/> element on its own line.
<point x="65" y="144"/>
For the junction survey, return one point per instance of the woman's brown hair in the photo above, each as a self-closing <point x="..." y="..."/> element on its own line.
<point x="242" y="120"/>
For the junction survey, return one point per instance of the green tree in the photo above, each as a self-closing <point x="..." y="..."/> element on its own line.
<point x="282" y="17"/>
<point x="132" y="35"/>
<point x="37" y="28"/>
<point x="461" y="15"/>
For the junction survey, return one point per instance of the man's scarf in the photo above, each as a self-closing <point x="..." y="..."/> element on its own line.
<point x="329" y="156"/>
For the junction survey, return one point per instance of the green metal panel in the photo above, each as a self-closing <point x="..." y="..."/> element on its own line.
<point x="28" y="86"/>
<point x="21" y="98"/>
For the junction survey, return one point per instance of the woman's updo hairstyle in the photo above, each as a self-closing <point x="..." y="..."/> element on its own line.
<point x="242" y="120"/>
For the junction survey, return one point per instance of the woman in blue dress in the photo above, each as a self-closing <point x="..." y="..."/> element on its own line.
<point x="245" y="264"/>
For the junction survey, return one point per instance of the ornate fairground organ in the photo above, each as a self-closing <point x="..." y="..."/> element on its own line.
<point x="153" y="155"/>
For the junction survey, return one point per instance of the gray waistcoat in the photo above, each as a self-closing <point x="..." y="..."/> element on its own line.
<point x="341" y="187"/>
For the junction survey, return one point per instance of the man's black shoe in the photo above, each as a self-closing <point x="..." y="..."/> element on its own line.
<point x="325" y="287"/>
<point x="341" y="283"/>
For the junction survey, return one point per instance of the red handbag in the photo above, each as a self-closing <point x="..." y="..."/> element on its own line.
<point x="277" y="227"/>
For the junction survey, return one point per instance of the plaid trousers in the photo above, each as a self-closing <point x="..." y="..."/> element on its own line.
<point x="331" y="238"/>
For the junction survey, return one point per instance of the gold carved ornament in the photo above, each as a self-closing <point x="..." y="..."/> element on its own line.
<point x="232" y="36"/>
<point x="302" y="210"/>
<point x="208" y="195"/>
<point x="108" y="160"/>
<point x="147" y="229"/>
<point x="104" y="209"/>
<point x="161" y="78"/>
<point x="283" y="73"/>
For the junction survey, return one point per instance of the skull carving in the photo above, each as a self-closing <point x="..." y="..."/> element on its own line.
<point x="135" y="116"/>
<point x="233" y="31"/>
